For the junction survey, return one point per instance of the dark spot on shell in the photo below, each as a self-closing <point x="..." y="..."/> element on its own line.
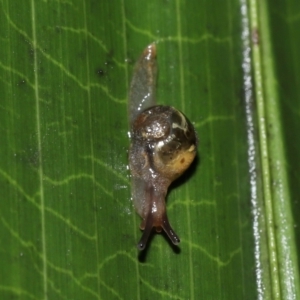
<point x="182" y="160"/>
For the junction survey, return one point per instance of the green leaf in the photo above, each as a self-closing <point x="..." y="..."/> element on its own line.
<point x="274" y="146"/>
<point x="68" y="229"/>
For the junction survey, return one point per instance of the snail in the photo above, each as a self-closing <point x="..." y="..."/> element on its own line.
<point x="163" y="145"/>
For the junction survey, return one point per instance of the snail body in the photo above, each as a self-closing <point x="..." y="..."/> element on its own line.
<point x="163" y="145"/>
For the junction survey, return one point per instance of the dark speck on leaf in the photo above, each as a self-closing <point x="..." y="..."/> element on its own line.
<point x="100" y="72"/>
<point x="21" y="82"/>
<point x="31" y="52"/>
<point x="255" y="36"/>
<point x="58" y="29"/>
<point x="109" y="64"/>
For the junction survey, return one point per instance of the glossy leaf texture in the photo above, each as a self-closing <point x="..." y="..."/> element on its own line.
<point x="68" y="229"/>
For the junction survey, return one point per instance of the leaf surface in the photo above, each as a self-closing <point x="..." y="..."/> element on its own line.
<point x="68" y="229"/>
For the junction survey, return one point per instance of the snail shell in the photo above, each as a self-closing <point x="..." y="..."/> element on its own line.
<point x="163" y="145"/>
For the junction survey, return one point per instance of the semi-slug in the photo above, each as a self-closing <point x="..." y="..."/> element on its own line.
<point x="163" y="145"/>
